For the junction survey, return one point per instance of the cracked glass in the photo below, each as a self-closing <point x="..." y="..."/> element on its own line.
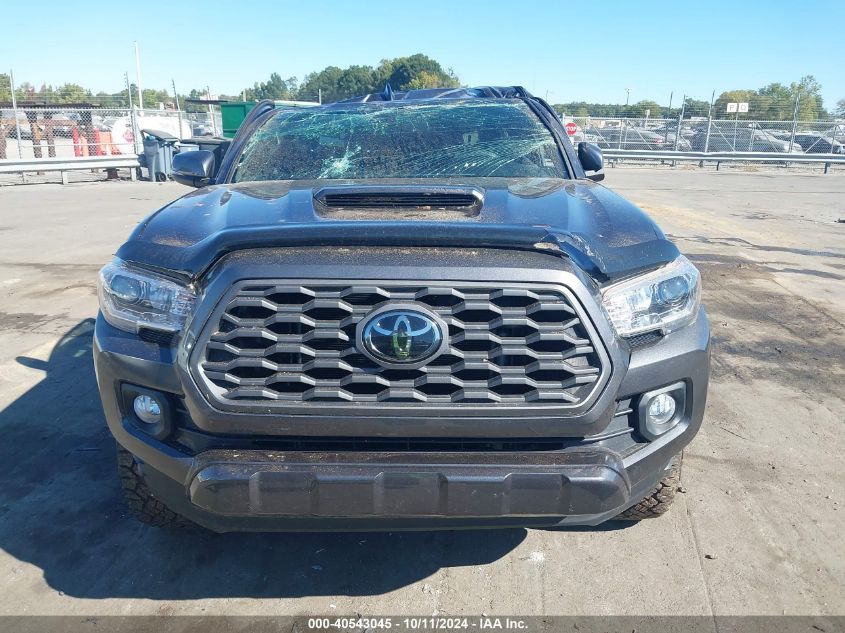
<point x="501" y="138"/>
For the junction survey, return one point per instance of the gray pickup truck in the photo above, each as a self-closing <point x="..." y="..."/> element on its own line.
<point x="407" y="310"/>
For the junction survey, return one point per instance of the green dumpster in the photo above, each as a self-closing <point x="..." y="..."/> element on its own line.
<point x="234" y="112"/>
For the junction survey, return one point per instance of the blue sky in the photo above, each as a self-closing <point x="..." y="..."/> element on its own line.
<point x="575" y="51"/>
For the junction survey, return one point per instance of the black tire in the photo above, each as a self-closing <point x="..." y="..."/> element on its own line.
<point x="143" y="505"/>
<point x="658" y="501"/>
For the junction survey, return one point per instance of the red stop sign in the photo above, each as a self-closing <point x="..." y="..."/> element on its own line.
<point x="571" y="128"/>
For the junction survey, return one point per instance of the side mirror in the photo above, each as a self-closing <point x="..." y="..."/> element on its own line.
<point x="591" y="159"/>
<point x="194" y="168"/>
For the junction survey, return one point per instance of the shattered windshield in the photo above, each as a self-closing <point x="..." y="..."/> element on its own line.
<point x="501" y="138"/>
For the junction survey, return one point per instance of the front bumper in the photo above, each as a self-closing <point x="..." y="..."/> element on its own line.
<point x="264" y="490"/>
<point x="366" y="468"/>
<point x="257" y="491"/>
<point x="396" y="486"/>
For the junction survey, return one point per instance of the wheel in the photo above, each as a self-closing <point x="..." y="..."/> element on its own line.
<point x="657" y="502"/>
<point x="143" y="505"/>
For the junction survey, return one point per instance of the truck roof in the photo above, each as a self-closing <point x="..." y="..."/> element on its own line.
<point x="481" y="92"/>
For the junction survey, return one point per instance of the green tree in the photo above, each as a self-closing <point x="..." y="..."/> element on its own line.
<point x="720" y="106"/>
<point x="355" y="80"/>
<point x="47" y="93"/>
<point x="640" y="108"/>
<point x="72" y="93"/>
<point x="111" y="100"/>
<point x="324" y="82"/>
<point x="776" y="103"/>
<point x="5" y="88"/>
<point x="153" y="97"/>
<point x="840" y="108"/>
<point x="582" y="108"/>
<point x="194" y="93"/>
<point x="274" y="88"/>
<point x="806" y="92"/>
<point x="576" y="109"/>
<point x="695" y="107"/>
<point x="25" y="92"/>
<point x="402" y="71"/>
<point x="425" y="80"/>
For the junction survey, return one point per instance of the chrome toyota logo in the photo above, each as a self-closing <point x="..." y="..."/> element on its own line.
<point x="399" y="336"/>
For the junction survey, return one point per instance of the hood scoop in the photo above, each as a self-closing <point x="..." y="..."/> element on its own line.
<point x="393" y="201"/>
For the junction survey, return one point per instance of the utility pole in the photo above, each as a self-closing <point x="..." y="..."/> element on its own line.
<point x="211" y="110"/>
<point x="133" y="121"/>
<point x="175" y="94"/>
<point x="138" y="76"/>
<point x="710" y="124"/>
<point x="795" y="122"/>
<point x="178" y="107"/>
<point x="680" y="123"/>
<point x="623" y="133"/>
<point x="15" y="111"/>
<point x="668" y="114"/>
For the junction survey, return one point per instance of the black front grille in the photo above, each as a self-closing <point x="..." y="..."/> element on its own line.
<point x="290" y="343"/>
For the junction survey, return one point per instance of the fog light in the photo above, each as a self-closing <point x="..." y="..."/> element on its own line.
<point x="661" y="409"/>
<point x="147" y="408"/>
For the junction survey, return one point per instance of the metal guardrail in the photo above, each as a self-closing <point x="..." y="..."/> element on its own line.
<point x="64" y="165"/>
<point x="718" y="157"/>
<point x="713" y="135"/>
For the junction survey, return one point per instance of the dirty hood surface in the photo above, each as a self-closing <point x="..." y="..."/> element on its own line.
<point x="598" y="230"/>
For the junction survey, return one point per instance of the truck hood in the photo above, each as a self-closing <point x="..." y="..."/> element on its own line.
<point x="601" y="232"/>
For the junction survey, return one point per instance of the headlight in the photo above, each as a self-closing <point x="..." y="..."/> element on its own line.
<point x="665" y="299"/>
<point x="131" y="298"/>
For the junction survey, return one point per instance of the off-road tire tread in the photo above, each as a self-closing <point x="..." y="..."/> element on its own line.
<point x="658" y="500"/>
<point x="141" y="501"/>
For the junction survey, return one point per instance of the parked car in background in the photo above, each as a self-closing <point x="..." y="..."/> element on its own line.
<point x="740" y="139"/>
<point x="817" y="143"/>
<point x="669" y="132"/>
<point x="64" y="122"/>
<point x="200" y="129"/>
<point x="634" y="138"/>
<point x="683" y="144"/>
<point x="9" y="117"/>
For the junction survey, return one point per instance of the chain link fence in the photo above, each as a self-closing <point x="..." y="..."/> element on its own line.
<point x="716" y="135"/>
<point x="31" y="128"/>
<point x="67" y="132"/>
<point x="56" y="131"/>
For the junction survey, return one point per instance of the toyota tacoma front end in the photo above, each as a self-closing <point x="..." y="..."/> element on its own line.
<point x="410" y="310"/>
